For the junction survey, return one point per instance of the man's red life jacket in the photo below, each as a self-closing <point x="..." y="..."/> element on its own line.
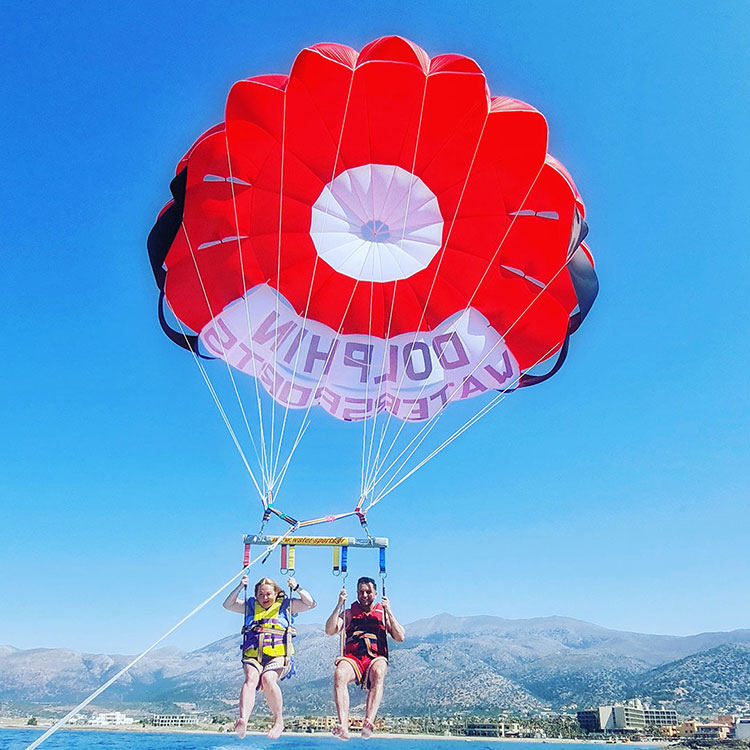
<point x="366" y="633"/>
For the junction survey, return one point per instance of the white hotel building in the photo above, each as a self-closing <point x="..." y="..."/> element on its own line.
<point x="627" y="717"/>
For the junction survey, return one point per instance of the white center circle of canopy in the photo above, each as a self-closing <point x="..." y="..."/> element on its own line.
<point x="377" y="222"/>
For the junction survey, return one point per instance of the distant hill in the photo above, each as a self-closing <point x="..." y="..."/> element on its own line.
<point x="475" y="664"/>
<point x="709" y="680"/>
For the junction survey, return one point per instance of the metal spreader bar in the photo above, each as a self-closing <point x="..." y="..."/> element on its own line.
<point x="378" y="542"/>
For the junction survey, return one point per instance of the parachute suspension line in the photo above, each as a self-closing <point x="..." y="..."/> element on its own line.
<point x="224" y="353"/>
<point x="219" y="406"/>
<point x="305" y="422"/>
<point x="383" y="572"/>
<point x="340" y="567"/>
<point x="367" y="385"/>
<point x="305" y="419"/>
<point x="499" y="398"/>
<point x="285" y="467"/>
<point x="430" y="423"/>
<point x="38" y="741"/>
<point x="390" y="486"/>
<point x="500" y="247"/>
<point x="370" y="346"/>
<point x="376" y="467"/>
<point x="251" y="338"/>
<point x="382" y="379"/>
<point x="278" y="283"/>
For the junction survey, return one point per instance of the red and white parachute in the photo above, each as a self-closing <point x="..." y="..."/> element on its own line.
<point x="376" y="235"/>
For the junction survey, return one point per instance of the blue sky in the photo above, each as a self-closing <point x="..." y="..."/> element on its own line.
<point x="616" y="493"/>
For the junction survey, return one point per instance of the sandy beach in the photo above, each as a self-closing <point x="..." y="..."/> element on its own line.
<point x="7" y="723"/>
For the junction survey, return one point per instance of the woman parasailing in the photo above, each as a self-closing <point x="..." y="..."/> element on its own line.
<point x="267" y="651"/>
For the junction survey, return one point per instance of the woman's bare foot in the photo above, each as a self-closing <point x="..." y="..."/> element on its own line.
<point x="275" y="731"/>
<point x="340" y="733"/>
<point x="240" y="726"/>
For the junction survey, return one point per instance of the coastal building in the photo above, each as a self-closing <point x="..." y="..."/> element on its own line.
<point x="686" y="729"/>
<point x="712" y="731"/>
<point x="660" y="717"/>
<point x="492" y="729"/>
<point x="589" y="720"/>
<point x="312" y="723"/>
<point x="111" y="719"/>
<point x="626" y="717"/>
<point x="174" y="720"/>
<point x="77" y="720"/>
<point x="728" y="719"/>
<point x="355" y="722"/>
<point x="742" y="728"/>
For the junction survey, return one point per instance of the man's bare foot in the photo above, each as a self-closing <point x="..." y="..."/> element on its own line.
<point x="240" y="726"/>
<point x="275" y="731"/>
<point x="367" y="729"/>
<point x="340" y="733"/>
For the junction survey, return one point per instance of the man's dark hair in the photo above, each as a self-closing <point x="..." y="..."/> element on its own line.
<point x="367" y="579"/>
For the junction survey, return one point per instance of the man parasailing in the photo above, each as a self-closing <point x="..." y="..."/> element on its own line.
<point x="364" y="658"/>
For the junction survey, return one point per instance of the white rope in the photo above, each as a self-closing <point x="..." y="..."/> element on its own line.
<point x="336" y="338"/>
<point x="375" y="468"/>
<point x="389" y="487"/>
<point x="219" y="406"/>
<point x="499" y="398"/>
<point x="278" y="295"/>
<point x="307" y="303"/>
<point x="432" y="421"/>
<point x="140" y="656"/>
<point x="285" y="467"/>
<point x="370" y="462"/>
<point x="264" y="451"/>
<point x="223" y="350"/>
<point x="367" y="379"/>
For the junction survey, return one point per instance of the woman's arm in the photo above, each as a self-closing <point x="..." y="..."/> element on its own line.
<point x="305" y="601"/>
<point x="233" y="602"/>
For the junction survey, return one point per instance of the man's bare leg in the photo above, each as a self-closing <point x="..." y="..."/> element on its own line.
<point x="342" y="676"/>
<point x="270" y="682"/>
<point x="376" y="678"/>
<point x="247" y="698"/>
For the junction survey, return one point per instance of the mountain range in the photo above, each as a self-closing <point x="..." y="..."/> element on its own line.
<point x="477" y="665"/>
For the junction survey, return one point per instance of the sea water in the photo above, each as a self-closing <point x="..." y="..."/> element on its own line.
<point x="18" y="739"/>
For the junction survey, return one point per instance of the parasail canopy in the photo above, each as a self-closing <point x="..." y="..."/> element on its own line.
<point x="375" y="234"/>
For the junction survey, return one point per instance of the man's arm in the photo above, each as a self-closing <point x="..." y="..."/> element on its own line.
<point x="335" y="621"/>
<point x="233" y="602"/>
<point x="395" y="628"/>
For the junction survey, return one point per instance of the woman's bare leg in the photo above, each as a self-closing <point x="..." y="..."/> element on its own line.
<point x="270" y="682"/>
<point x="247" y="698"/>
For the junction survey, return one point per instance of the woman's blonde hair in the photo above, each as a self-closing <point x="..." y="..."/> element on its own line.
<point x="270" y="582"/>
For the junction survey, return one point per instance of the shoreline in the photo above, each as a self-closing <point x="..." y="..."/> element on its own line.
<point x="326" y="735"/>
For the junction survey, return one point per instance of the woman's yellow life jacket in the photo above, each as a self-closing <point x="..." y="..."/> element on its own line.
<point x="267" y="632"/>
